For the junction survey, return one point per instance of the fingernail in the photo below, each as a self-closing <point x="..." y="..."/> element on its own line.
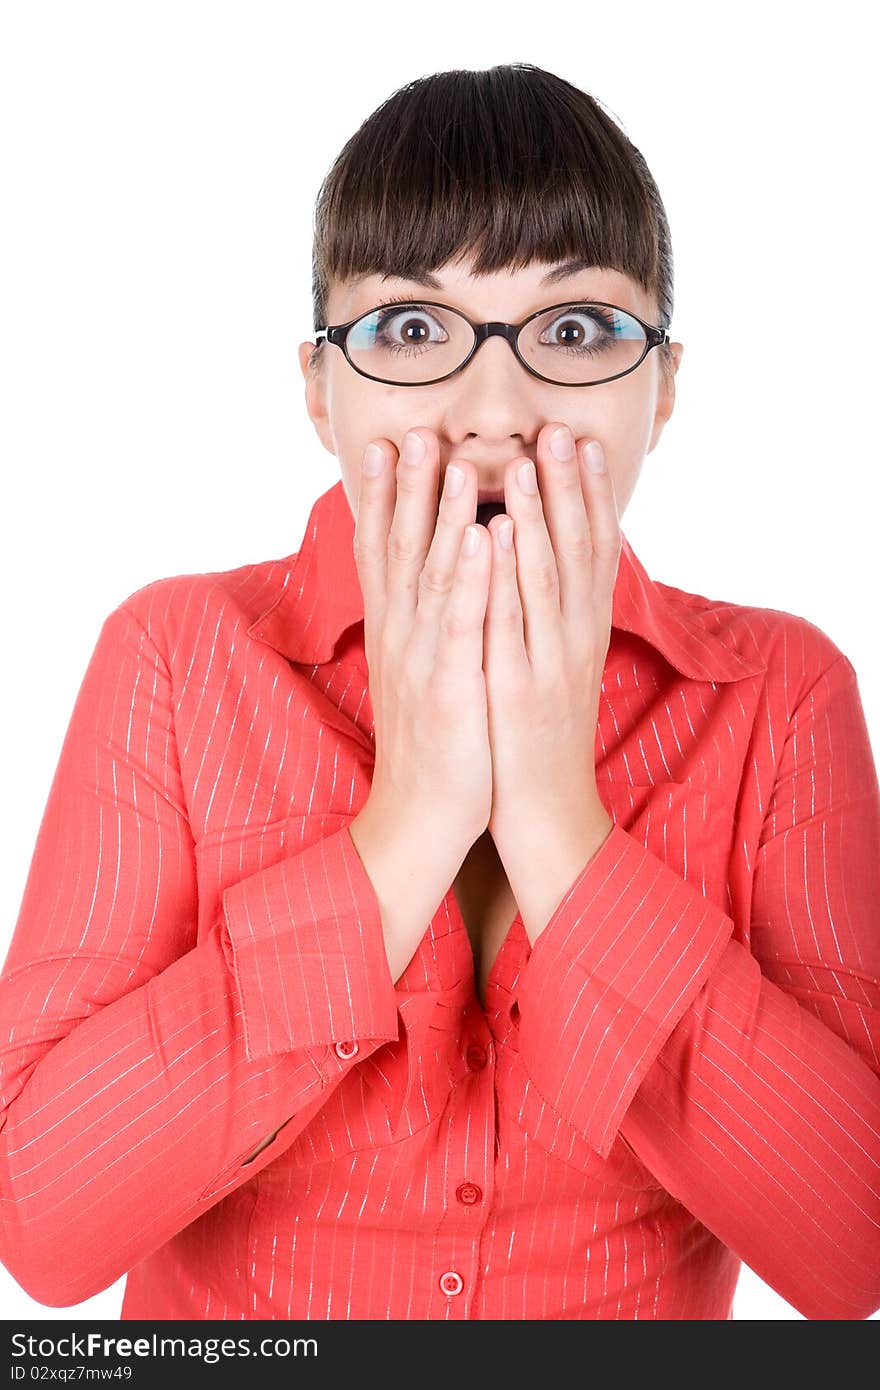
<point x="527" y="477"/>
<point x="471" y="540"/>
<point x="505" y="534"/>
<point x="374" y="461"/>
<point x="562" y="444"/>
<point x="454" y="481"/>
<point x="595" y="457"/>
<point x="413" y="448"/>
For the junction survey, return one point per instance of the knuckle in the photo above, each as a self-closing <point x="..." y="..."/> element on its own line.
<point x="455" y="624"/>
<point x="432" y="581"/>
<point x="545" y="578"/>
<point x="608" y="549"/>
<point x="568" y="478"/>
<point x="366" y="551"/>
<point x="409" y="480"/>
<point x="402" y="548"/>
<point x="509" y="613"/>
<point x="579" y="547"/>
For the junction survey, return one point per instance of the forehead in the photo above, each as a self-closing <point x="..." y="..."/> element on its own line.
<point x="500" y="294"/>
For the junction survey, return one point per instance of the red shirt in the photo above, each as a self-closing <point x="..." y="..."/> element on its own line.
<point x="681" y="1073"/>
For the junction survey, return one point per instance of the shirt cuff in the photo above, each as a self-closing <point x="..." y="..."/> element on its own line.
<point x="305" y="943"/>
<point x="623" y="956"/>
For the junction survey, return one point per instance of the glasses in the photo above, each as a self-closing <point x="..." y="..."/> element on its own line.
<point x="417" y="343"/>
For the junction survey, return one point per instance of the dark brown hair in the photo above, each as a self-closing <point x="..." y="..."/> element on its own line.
<point x="511" y="165"/>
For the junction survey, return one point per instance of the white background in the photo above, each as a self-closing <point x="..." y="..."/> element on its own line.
<point x="159" y="168"/>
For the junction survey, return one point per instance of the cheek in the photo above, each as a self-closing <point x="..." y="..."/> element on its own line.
<point x="626" y="432"/>
<point x="628" y="425"/>
<point x="360" y="411"/>
<point x="350" y="487"/>
<point x="357" y="415"/>
<point x="625" y="475"/>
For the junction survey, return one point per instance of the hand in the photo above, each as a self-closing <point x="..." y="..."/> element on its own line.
<point x="424" y="610"/>
<point x="548" y="628"/>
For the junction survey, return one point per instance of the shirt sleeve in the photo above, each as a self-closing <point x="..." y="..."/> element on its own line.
<point x="744" y="1079"/>
<point x="138" y="1069"/>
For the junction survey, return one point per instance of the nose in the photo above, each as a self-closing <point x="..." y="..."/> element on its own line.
<point x="492" y="358"/>
<point x="494" y="399"/>
<point x="483" y="331"/>
<point x="490" y="330"/>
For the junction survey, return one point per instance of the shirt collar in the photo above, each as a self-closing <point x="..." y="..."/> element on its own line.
<point x="317" y="596"/>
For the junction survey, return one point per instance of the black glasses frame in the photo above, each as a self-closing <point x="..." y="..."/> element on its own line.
<point x="338" y="334"/>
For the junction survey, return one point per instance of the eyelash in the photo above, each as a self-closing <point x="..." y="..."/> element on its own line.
<point x="401" y="299"/>
<point x="601" y="314"/>
<point x="399" y="348"/>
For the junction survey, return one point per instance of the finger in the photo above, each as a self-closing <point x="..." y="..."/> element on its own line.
<point x="568" y="526"/>
<point x="505" y="650"/>
<point x="459" y="654"/>
<point x="374" y="512"/>
<point x="457" y="509"/>
<point x="536" y="572"/>
<point x="412" y="524"/>
<point x="605" y="534"/>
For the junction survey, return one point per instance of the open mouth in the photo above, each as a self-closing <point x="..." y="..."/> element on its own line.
<point x="486" y="511"/>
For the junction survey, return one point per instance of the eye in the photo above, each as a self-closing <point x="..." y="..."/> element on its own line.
<point x="579" y="328"/>
<point x="408" y="326"/>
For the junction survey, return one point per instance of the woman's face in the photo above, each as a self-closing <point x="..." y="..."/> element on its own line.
<point x="493" y="410"/>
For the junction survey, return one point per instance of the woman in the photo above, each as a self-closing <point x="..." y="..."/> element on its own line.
<point x="419" y="931"/>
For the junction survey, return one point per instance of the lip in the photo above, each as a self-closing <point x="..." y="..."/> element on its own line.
<point x="492" y="494"/>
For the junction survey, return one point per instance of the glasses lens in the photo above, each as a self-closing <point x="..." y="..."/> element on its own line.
<point x="410" y="342"/>
<point x="573" y="345"/>
<point x="583" y="342"/>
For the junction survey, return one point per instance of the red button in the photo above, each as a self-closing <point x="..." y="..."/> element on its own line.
<point x="469" y="1193"/>
<point x="476" y="1056"/>
<point x="346" y="1050"/>
<point x="451" y="1283"/>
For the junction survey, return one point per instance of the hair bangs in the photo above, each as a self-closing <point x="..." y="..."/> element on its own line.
<point x="506" y="166"/>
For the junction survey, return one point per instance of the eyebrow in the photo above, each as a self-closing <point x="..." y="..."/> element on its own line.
<point x="563" y="271"/>
<point x="429" y="281"/>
